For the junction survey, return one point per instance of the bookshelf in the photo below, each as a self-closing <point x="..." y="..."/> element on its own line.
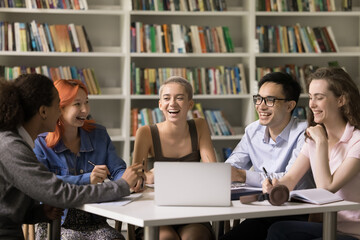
<point x="237" y="18"/>
<point x="108" y="24"/>
<point x="347" y="40"/>
<point x="110" y="58"/>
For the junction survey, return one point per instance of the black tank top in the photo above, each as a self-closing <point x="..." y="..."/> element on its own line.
<point x="194" y="156"/>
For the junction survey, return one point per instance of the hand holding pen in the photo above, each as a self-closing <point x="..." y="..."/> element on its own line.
<point x="99" y="173"/>
<point x="269" y="183"/>
<point x="267" y="176"/>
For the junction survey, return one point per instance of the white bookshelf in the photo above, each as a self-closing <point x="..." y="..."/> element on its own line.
<point x="107" y="23"/>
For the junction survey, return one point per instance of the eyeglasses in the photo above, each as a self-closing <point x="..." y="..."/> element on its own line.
<point x="269" y="101"/>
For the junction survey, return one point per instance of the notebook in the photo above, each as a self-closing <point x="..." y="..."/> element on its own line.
<point x="192" y="184"/>
<point x="238" y="190"/>
<point x="314" y="195"/>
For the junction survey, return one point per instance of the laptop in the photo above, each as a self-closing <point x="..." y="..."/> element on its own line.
<point x="192" y="184"/>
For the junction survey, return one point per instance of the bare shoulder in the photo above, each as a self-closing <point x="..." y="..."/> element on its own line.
<point x="142" y="144"/>
<point x="143" y="133"/>
<point x="200" y="123"/>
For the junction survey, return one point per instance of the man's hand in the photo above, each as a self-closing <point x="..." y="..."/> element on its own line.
<point x="52" y="213"/>
<point x="238" y="175"/>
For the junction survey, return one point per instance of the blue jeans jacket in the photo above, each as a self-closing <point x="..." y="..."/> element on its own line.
<point x="95" y="146"/>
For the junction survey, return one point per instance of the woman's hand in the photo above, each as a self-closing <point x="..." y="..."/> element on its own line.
<point x="99" y="174"/>
<point x="267" y="186"/>
<point x="317" y="133"/>
<point x="133" y="174"/>
<point x="150" y="176"/>
<point x="52" y="213"/>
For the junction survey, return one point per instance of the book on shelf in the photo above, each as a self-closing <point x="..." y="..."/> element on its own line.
<point x="177" y="38"/>
<point x="217" y="80"/>
<point x="62" y="34"/>
<point x="296" y="38"/>
<point x="81" y="38"/>
<point x="346" y="5"/>
<point x="314" y="196"/>
<point x="54" y="37"/>
<point x="72" y="33"/>
<point x="55" y="73"/>
<point x="228" y="41"/>
<point x="202" y="39"/>
<point x="179" y="5"/>
<point x="43" y="38"/>
<point x="89" y="45"/>
<point x="46" y="4"/>
<point x="296" y="5"/>
<point x="33" y="36"/>
<point x="220" y="34"/>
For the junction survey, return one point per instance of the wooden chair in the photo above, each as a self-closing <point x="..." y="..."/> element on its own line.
<point x="29" y="231"/>
<point x="130" y="230"/>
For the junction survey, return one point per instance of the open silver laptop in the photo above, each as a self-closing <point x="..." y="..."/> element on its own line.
<point x="192" y="184"/>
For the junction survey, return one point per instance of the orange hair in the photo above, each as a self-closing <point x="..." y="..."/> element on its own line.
<point x="67" y="90"/>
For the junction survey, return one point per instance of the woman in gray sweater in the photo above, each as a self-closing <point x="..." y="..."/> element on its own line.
<point x="29" y="106"/>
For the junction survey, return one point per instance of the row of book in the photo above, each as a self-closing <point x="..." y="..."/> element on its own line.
<point x="296" y="39"/>
<point x="218" y="124"/>
<point x="299" y="73"/>
<point x="218" y="80"/>
<point x="296" y="5"/>
<point x="45" y="4"/>
<point x="176" y="38"/>
<point x="32" y="36"/>
<point x="179" y="5"/>
<point x="86" y="75"/>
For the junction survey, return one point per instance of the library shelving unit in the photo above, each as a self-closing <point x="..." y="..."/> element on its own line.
<point x="345" y="25"/>
<point x="237" y="108"/>
<point x="108" y="23"/>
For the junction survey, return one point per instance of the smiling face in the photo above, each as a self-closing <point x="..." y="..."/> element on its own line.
<point x="278" y="115"/>
<point x="174" y="102"/>
<point x="76" y="112"/>
<point x="322" y="102"/>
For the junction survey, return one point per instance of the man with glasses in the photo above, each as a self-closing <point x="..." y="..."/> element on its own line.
<point x="273" y="143"/>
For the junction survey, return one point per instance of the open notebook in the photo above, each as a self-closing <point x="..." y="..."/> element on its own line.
<point x="315" y="196"/>
<point x="192" y="184"/>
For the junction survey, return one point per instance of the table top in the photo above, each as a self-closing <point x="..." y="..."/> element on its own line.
<point x="143" y="211"/>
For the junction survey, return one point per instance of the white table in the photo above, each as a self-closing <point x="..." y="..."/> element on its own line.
<point x="144" y="213"/>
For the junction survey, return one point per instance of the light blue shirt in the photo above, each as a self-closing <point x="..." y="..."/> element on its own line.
<point x="95" y="146"/>
<point x="257" y="149"/>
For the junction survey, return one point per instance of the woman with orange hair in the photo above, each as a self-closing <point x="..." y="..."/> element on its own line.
<point x="79" y="152"/>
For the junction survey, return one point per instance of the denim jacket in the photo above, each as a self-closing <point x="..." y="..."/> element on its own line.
<point x="95" y="146"/>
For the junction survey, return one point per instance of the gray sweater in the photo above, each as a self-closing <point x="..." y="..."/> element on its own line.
<point x="24" y="182"/>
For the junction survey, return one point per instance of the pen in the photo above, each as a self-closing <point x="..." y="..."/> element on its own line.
<point x="91" y="163"/>
<point x="267" y="175"/>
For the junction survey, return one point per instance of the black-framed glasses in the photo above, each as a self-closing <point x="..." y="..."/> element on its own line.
<point x="269" y="101"/>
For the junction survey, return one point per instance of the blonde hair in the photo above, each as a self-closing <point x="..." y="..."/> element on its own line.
<point x="179" y="80"/>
